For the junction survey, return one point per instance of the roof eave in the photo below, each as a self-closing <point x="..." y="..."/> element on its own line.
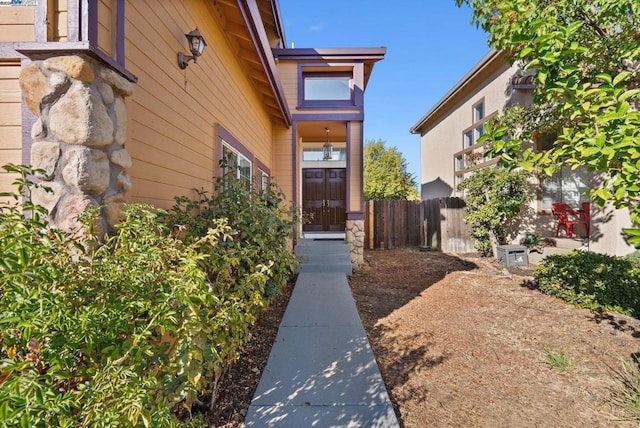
<point x="253" y="21"/>
<point x="486" y="62"/>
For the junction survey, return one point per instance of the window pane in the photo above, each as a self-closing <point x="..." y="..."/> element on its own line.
<point x="566" y="186"/>
<point x="244" y="171"/>
<point x="459" y="163"/>
<point x="327" y="88"/>
<point x="237" y="165"/>
<point x="315" y="154"/>
<point x="468" y="139"/>
<point x="479" y="132"/>
<point x="231" y="159"/>
<point x="478" y="112"/>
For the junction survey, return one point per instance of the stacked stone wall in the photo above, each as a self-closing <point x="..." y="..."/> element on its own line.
<point x="355" y="239"/>
<point x="79" y="137"/>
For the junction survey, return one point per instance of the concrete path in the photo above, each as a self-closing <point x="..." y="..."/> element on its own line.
<point x="321" y="371"/>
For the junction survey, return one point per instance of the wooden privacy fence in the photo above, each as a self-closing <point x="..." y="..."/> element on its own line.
<point x="435" y="223"/>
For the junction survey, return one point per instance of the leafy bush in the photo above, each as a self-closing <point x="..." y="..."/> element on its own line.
<point x="261" y="228"/>
<point x="592" y="280"/>
<point x="122" y="333"/>
<point x="493" y="196"/>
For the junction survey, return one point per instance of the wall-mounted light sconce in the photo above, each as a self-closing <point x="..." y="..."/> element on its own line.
<point x="327" y="148"/>
<point x="196" y="46"/>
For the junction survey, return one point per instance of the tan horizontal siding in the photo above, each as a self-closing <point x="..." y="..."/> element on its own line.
<point x="17" y="24"/>
<point x="17" y="33"/>
<point x="10" y="156"/>
<point x="173" y="113"/>
<point x="106" y="26"/>
<point x="10" y="121"/>
<point x="288" y="72"/>
<point x="282" y="169"/>
<point x="9" y="90"/>
<point x="6" y="185"/>
<point x="9" y="114"/>
<point x="10" y="70"/>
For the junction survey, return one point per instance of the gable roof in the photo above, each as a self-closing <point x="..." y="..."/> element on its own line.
<point x="488" y="65"/>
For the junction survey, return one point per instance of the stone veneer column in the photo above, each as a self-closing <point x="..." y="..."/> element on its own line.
<point x="79" y="137"/>
<point x="355" y="239"/>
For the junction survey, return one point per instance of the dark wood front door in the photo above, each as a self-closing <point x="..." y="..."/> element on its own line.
<point x="324" y="199"/>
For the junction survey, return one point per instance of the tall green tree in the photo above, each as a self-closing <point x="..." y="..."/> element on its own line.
<point x="585" y="59"/>
<point x="385" y="173"/>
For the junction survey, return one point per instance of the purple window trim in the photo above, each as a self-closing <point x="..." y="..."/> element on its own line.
<point x="294" y="171"/>
<point x="224" y="135"/>
<point x="356" y="215"/>
<point x="82" y="25"/>
<point x="362" y="167"/>
<point x="356" y="92"/>
<point x="348" y="131"/>
<point x="262" y="167"/>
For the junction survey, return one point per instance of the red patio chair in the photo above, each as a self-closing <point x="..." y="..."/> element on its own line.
<point x="585" y="214"/>
<point x="561" y="212"/>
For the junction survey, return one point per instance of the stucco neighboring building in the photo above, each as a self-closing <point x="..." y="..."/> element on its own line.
<point x="92" y="92"/>
<point x="449" y="152"/>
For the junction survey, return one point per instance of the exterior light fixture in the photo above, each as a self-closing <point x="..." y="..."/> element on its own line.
<point x="327" y="148"/>
<point x="196" y="46"/>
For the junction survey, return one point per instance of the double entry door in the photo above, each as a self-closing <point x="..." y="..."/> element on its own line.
<point x="324" y="199"/>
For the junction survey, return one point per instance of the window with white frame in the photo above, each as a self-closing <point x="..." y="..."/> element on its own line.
<point x="262" y="180"/>
<point x="238" y="163"/>
<point x="567" y="185"/>
<point x="472" y="154"/>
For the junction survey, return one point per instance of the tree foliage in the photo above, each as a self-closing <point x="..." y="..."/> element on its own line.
<point x="385" y="173"/>
<point x="493" y="196"/>
<point x="585" y="57"/>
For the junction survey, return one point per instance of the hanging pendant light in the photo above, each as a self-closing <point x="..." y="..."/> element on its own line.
<point x="327" y="148"/>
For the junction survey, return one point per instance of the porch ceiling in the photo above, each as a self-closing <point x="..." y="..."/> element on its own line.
<point x="315" y="131"/>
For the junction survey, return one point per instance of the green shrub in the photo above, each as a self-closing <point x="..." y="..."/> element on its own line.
<point x="261" y="227"/>
<point x="592" y="280"/>
<point x="122" y="333"/>
<point x="494" y="195"/>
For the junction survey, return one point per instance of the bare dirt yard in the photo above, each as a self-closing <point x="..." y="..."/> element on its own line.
<point x="462" y="342"/>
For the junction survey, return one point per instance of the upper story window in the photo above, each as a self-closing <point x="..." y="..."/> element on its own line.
<point x="472" y="154"/>
<point x="478" y="112"/>
<point x="323" y="87"/>
<point x="326" y="87"/>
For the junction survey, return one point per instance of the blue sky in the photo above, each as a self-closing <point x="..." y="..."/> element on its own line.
<point x="431" y="45"/>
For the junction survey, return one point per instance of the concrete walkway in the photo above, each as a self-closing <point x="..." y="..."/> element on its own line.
<point x="321" y="371"/>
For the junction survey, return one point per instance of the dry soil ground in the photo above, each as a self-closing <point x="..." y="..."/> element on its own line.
<point x="462" y="342"/>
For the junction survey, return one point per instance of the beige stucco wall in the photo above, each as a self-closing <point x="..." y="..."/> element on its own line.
<point x="444" y="138"/>
<point x="173" y="113"/>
